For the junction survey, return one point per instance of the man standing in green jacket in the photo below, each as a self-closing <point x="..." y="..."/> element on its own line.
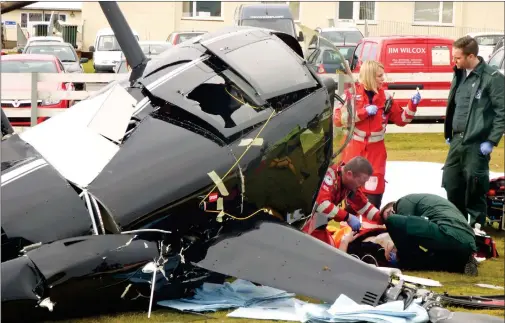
<point x="474" y="124"/>
<point x="430" y="233"/>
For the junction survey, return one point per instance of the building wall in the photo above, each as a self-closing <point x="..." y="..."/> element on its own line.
<point x="156" y="20"/>
<point x="15" y="15"/>
<point x="152" y="20"/>
<point x="468" y="17"/>
<point x="488" y="15"/>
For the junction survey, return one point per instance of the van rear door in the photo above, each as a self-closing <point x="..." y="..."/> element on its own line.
<point x="441" y="73"/>
<point x="409" y="66"/>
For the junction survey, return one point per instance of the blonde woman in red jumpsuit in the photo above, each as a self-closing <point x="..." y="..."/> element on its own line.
<point x="370" y="126"/>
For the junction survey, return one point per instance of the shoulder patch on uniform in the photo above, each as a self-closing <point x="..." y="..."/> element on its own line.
<point x="328" y="180"/>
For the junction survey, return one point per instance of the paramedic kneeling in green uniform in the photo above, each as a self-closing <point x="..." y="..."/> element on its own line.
<point x="430" y="233"/>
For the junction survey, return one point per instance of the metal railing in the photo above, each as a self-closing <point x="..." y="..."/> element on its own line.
<point x="31" y="81"/>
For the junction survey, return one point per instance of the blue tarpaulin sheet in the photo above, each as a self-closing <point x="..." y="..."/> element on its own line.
<point x="240" y="293"/>
<point x="263" y="302"/>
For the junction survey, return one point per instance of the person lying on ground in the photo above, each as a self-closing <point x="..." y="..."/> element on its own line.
<point x="342" y="181"/>
<point x="430" y="233"/>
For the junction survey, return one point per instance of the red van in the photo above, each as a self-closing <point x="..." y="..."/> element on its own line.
<point x="412" y="62"/>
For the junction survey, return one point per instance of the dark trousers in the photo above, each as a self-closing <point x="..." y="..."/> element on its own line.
<point x="466" y="179"/>
<point x="423" y="245"/>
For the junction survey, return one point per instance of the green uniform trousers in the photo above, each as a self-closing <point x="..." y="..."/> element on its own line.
<point x="424" y="245"/>
<point x="466" y="179"/>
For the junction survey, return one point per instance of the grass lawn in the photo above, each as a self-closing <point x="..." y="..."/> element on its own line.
<point x="416" y="147"/>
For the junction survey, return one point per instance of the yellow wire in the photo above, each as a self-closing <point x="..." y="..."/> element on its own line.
<point x="241" y="156"/>
<point x="237" y="218"/>
<point x="238" y="100"/>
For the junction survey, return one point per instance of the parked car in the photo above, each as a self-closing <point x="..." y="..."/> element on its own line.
<point x="65" y="52"/>
<point x="497" y="60"/>
<point x="52" y="39"/>
<point x="499" y="44"/>
<point x="153" y="48"/>
<point x="324" y="59"/>
<point x="487" y="42"/>
<point x="273" y="16"/>
<point x="28" y="63"/>
<point x="410" y="63"/>
<point x="106" y="50"/>
<point x="341" y="36"/>
<point x="178" y="37"/>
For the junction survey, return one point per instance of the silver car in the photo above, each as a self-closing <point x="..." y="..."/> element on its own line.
<point x="64" y="51"/>
<point x="153" y="48"/>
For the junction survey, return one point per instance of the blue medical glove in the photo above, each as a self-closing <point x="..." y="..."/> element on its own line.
<point x="416" y="98"/>
<point x="392" y="259"/>
<point x="353" y="222"/>
<point x="371" y="109"/>
<point x="486" y="148"/>
<point x="448" y="141"/>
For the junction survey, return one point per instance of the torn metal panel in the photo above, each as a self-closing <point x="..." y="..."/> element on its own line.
<point x="279" y="256"/>
<point x="70" y="146"/>
<point x="38" y="205"/>
<point x="14" y="150"/>
<point x="79" y="154"/>
<point x="165" y="170"/>
<point x="117" y="106"/>
<point x="89" y="256"/>
<point x="92" y="265"/>
<point x="21" y="281"/>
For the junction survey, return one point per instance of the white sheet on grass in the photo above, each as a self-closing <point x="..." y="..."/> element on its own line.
<point x="409" y="177"/>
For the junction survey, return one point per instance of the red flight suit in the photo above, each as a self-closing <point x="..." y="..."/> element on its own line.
<point x="330" y="195"/>
<point x="368" y="137"/>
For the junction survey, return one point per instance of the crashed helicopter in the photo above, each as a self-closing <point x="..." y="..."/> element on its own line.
<point x="193" y="165"/>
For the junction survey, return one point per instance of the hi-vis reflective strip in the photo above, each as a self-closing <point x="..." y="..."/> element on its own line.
<point x="364" y="208"/>
<point x="370" y="214"/>
<point x="425" y="94"/>
<point x="22" y="171"/>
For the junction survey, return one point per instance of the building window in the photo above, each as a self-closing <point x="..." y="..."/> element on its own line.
<point x="201" y="9"/>
<point x="32" y="17"/>
<point x="438" y="12"/>
<point x="358" y="11"/>
<point x="294" y="7"/>
<point x="62" y="17"/>
<point x="24" y="20"/>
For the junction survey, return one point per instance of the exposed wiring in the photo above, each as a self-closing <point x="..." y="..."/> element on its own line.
<point x="241" y="156"/>
<point x="370" y="256"/>
<point x="241" y="219"/>
<point x="145" y="230"/>
<point x="241" y="101"/>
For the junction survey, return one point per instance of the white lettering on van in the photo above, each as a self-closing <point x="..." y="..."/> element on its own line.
<point x="407" y="50"/>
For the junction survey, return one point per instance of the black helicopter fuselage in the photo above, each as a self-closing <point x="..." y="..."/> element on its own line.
<point x="192" y="122"/>
<point x="218" y="134"/>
